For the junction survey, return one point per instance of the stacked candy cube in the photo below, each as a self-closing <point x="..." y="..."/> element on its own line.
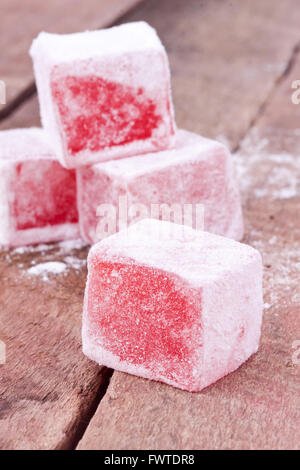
<point x="162" y="300"/>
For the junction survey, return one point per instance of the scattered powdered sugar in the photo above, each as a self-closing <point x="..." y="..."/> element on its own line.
<point x="69" y="245"/>
<point x="48" y="259"/>
<point x="56" y="267"/>
<point x="31" y="249"/>
<point x="64" y="247"/>
<point x="273" y="240"/>
<point x="274" y="175"/>
<point x="44" y="269"/>
<point x="257" y="173"/>
<point x="282" y="267"/>
<point x="75" y="263"/>
<point x="283" y="181"/>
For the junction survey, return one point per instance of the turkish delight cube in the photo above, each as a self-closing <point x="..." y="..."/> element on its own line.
<point x="38" y="196"/>
<point x="169" y="303"/>
<point x="104" y="94"/>
<point x="166" y="185"/>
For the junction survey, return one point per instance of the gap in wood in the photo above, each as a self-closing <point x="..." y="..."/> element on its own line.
<point x="30" y="90"/>
<point x="288" y="68"/>
<point x="79" y="427"/>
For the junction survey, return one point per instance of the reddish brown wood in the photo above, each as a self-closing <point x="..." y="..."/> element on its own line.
<point x="22" y="21"/>
<point x="225" y="58"/>
<point x="256" y="407"/>
<point x="47" y="388"/>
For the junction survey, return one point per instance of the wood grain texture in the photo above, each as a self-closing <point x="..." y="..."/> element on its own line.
<point x="48" y="390"/>
<point x="22" y="21"/>
<point x="225" y="57"/>
<point x="224" y="67"/>
<point x="256" y="407"/>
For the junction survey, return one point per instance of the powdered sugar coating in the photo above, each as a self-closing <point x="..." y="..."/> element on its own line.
<point x="38" y="195"/>
<point x="169" y="303"/>
<point x="129" y="37"/>
<point x="17" y="145"/>
<point x="189" y="147"/>
<point x="196" y="256"/>
<point x="196" y="171"/>
<point x="100" y="91"/>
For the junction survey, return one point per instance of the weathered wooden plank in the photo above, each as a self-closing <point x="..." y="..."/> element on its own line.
<point x="55" y="429"/>
<point x="22" y="21"/>
<point x="48" y="390"/>
<point x="256" y="407"/>
<point x="225" y="57"/>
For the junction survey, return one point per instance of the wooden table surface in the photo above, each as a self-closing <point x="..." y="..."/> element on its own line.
<point x="232" y="67"/>
<point x="22" y="21"/>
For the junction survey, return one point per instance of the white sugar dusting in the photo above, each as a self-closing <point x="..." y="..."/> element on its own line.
<point x="64" y="247"/>
<point x="263" y="173"/>
<point x="258" y="174"/>
<point x="267" y="306"/>
<point x="64" y="253"/>
<point x="74" y="262"/>
<point x="31" y="249"/>
<point x="69" y="245"/>
<point x="45" y="269"/>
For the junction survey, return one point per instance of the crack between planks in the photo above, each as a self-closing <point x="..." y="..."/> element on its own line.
<point x="30" y="89"/>
<point x="261" y="109"/>
<point x="78" y="428"/>
<point x="103" y="388"/>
